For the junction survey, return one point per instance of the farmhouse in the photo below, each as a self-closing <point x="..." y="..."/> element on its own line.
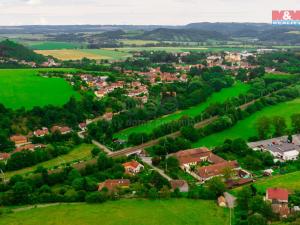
<point x="62" y="130"/>
<point x="207" y="172"/>
<point x="19" y="139"/>
<point x="279" y="199"/>
<point x="182" y="185"/>
<point x="133" y="167"/>
<point x="113" y="185"/>
<point x="41" y="133"/>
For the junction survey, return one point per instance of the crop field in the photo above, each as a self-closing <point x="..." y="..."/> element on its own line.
<point x="137" y="42"/>
<point x="77" y="54"/>
<point x="221" y="96"/>
<point x="79" y="153"/>
<point x="24" y="88"/>
<point x="51" y="45"/>
<point x="246" y="128"/>
<point x="124" y="212"/>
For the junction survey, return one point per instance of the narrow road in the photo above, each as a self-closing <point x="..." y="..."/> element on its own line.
<point x="101" y="146"/>
<point x="148" y="161"/>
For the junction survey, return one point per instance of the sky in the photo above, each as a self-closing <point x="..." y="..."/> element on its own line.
<point x="138" y="12"/>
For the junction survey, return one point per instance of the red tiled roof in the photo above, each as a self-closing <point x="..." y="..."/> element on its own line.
<point x="44" y="131"/>
<point x="216" y="169"/>
<point x="133" y="164"/>
<point x="113" y="184"/>
<point x="191" y="155"/>
<point x="4" y="156"/>
<point x="277" y="194"/>
<point x="18" y="138"/>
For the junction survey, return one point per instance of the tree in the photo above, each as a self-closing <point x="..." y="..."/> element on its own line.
<point x="190" y="133"/>
<point x="296" y="122"/>
<point x="104" y="162"/>
<point x="152" y="193"/>
<point x="228" y="173"/>
<point x="95" y="152"/>
<point x="96" y="197"/>
<point x="263" y="126"/>
<point x="22" y="191"/>
<point x="243" y="198"/>
<point x="257" y="219"/>
<point x="172" y="163"/>
<point x="279" y="124"/>
<point x="216" y="186"/>
<point x="165" y="192"/>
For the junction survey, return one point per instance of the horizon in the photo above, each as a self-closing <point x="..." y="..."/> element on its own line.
<point x="167" y="12"/>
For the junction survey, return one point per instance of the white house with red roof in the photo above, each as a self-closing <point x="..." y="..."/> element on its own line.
<point x="279" y="199"/>
<point x="133" y="167"/>
<point x="41" y="132"/>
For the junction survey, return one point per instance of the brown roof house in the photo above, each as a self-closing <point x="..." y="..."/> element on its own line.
<point x="62" y="130"/>
<point x="279" y="199"/>
<point x="182" y="185"/>
<point x="133" y="167"/>
<point x="19" y="140"/>
<point x="41" y="132"/>
<point x="114" y="185"/>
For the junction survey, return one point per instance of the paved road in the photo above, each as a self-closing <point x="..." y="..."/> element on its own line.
<point x="148" y="161"/>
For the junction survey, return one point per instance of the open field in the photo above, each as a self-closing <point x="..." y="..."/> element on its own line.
<point x="221" y="96"/>
<point x="79" y="153"/>
<point x="137" y="42"/>
<point x="124" y="212"/>
<point x="51" y="45"/>
<point x="76" y="54"/>
<point x="246" y="128"/>
<point x="24" y="88"/>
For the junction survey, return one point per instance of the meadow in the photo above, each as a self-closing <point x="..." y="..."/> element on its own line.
<point x="51" y="45"/>
<point x="77" y="54"/>
<point x="216" y="97"/>
<point x="124" y="212"/>
<point x="81" y="152"/>
<point x="24" y="88"/>
<point x="246" y="128"/>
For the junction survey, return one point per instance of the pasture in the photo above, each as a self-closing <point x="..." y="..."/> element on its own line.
<point x="81" y="152"/>
<point x="216" y="97"/>
<point x="246" y="128"/>
<point x="24" y="88"/>
<point x="124" y="212"/>
<point x="77" y="54"/>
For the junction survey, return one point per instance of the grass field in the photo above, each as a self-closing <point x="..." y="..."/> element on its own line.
<point x="289" y="181"/>
<point x="51" y="45"/>
<point x="221" y="96"/>
<point x="24" y="88"/>
<point x="124" y="212"/>
<point x="76" y="54"/>
<point x="246" y="128"/>
<point x="137" y="42"/>
<point x="79" y="153"/>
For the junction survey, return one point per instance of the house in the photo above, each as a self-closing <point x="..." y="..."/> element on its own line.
<point x="30" y="147"/>
<point x="19" y="140"/>
<point x="222" y="201"/>
<point x="279" y="199"/>
<point x="133" y="167"/>
<point x="113" y="185"/>
<point x="41" y="133"/>
<point x="100" y="93"/>
<point x="4" y="156"/>
<point x="192" y="157"/>
<point x="207" y="172"/>
<point x="62" y="130"/>
<point x="82" y="126"/>
<point x="182" y="185"/>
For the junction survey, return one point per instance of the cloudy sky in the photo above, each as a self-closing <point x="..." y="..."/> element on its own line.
<point x="172" y="12"/>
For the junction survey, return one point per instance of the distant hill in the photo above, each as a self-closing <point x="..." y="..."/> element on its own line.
<point x="181" y="35"/>
<point x="10" y="49"/>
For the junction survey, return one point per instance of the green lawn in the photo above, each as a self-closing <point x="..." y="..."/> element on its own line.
<point x="51" y="45"/>
<point x="246" y="128"/>
<point x="289" y="181"/>
<point x="79" y="153"/>
<point x="24" y="88"/>
<point x="221" y="96"/>
<point x="124" y="212"/>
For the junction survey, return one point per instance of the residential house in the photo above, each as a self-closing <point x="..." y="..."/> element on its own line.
<point x="4" y="156"/>
<point x="279" y="199"/>
<point x="41" y="133"/>
<point x="62" y="130"/>
<point x="182" y="185"/>
<point x="114" y="185"/>
<point x="82" y="126"/>
<point x="19" y="139"/>
<point x="101" y="93"/>
<point x="133" y="167"/>
<point x="30" y="147"/>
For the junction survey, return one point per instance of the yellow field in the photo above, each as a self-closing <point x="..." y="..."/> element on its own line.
<point x="71" y="54"/>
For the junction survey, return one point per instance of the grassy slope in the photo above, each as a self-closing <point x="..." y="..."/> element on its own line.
<point x="124" y="212"/>
<point x="193" y="111"/>
<point x="23" y="88"/>
<point x="79" y="153"/>
<point x="246" y="128"/>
